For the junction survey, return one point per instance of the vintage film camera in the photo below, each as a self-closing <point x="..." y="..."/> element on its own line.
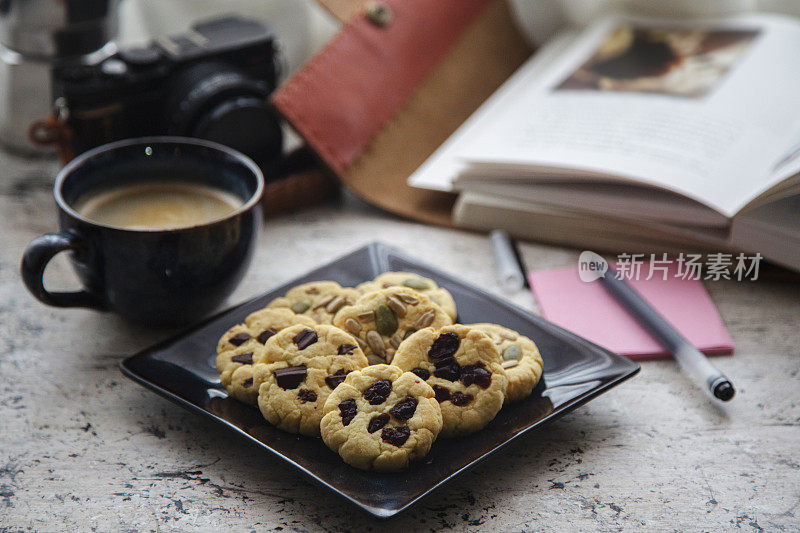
<point x="212" y="83"/>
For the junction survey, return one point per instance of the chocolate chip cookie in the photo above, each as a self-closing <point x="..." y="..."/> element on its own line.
<point x="464" y="368"/>
<point x="243" y="345"/>
<point x="306" y="364"/>
<point x="319" y="300"/>
<point x="521" y="360"/>
<point x="381" y="418"/>
<point x="381" y="320"/>
<point x="426" y="286"/>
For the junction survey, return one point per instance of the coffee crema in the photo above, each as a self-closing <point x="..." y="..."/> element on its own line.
<point x="157" y="205"/>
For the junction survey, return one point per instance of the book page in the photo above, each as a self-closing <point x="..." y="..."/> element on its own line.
<point x="439" y="170"/>
<point x="699" y="108"/>
<point x="613" y="199"/>
<point x="788" y="164"/>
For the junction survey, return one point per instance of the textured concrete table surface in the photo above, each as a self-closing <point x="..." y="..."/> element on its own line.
<point x="82" y="448"/>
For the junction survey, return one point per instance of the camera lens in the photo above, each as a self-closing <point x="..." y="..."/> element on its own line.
<point x="243" y="123"/>
<point x="215" y="101"/>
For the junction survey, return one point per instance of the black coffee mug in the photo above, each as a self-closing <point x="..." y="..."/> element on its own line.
<point x="164" y="277"/>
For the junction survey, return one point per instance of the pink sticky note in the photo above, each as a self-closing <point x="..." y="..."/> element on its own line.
<point x="588" y="310"/>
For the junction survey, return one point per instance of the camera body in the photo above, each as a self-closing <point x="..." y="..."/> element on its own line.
<point x="211" y="83"/>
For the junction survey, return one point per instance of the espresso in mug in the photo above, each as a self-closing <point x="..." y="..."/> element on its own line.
<point x="157" y="205"/>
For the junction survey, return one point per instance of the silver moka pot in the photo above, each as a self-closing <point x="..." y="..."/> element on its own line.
<point x="36" y="37"/>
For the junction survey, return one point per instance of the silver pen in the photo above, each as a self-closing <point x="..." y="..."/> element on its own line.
<point x="510" y="270"/>
<point x="691" y="361"/>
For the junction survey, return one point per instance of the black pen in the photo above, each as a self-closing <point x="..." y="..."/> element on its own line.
<point x="691" y="361"/>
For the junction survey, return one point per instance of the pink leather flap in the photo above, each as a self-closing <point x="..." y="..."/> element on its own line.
<point x="344" y="95"/>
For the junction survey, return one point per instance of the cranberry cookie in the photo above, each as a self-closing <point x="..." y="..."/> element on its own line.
<point x="319" y="300"/>
<point x="306" y="364"/>
<point x="381" y="320"/>
<point x="243" y="345"/>
<point x="464" y="368"/>
<point x="521" y="359"/>
<point x="426" y="286"/>
<point x="381" y="418"/>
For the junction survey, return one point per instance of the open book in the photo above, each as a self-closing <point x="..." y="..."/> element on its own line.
<point x="686" y="131"/>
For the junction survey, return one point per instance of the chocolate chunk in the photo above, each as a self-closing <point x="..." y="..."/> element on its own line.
<point x="447" y="369"/>
<point x="305" y="338"/>
<point x="397" y="436"/>
<point x="442" y="393"/>
<point x="421" y="372"/>
<point x="345" y="349"/>
<point x="244" y="358"/>
<point x="247" y="383"/>
<point x="476" y="374"/>
<point x="377" y="422"/>
<point x="336" y="378"/>
<point x="348" y="410"/>
<point x="264" y="336"/>
<point x="445" y="345"/>
<point x="305" y="395"/>
<point x="291" y="377"/>
<point x="239" y="339"/>
<point x="377" y="393"/>
<point x="460" y="399"/>
<point x="404" y="409"/>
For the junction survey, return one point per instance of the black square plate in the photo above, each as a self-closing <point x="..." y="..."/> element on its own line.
<point x="575" y="370"/>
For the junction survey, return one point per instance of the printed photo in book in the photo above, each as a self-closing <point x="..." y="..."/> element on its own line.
<point x="673" y="61"/>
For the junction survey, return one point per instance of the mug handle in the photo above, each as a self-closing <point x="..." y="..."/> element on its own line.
<point x="38" y="253"/>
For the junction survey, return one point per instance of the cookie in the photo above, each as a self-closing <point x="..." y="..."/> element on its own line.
<point x="521" y="359"/>
<point x="319" y="300"/>
<point x="305" y="364"/>
<point x="426" y="286"/>
<point x="243" y="344"/>
<point x="381" y="320"/>
<point x="381" y="418"/>
<point x="464" y="368"/>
